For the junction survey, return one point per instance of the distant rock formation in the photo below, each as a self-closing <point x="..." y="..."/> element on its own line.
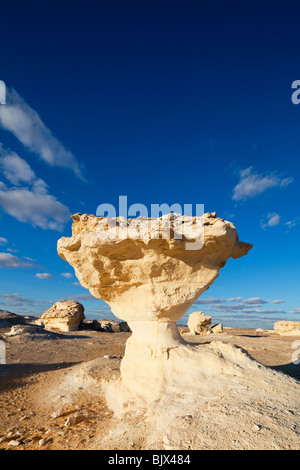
<point x="198" y="323"/>
<point x="105" y="326"/>
<point x="9" y="319"/>
<point x="65" y="315"/>
<point x="216" y="328"/>
<point x="150" y="282"/>
<point x="287" y="328"/>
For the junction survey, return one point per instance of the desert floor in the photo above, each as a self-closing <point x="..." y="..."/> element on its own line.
<point x="30" y="382"/>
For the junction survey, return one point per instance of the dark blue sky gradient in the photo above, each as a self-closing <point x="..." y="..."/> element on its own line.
<point x="162" y="101"/>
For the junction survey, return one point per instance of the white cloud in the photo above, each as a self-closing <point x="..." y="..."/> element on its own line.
<point x="82" y="297"/>
<point x="15" y="169"/>
<point x="254" y="301"/>
<point x="252" y="184"/>
<point x="240" y="300"/>
<point x="41" y="210"/>
<point x="44" y="276"/>
<point x="33" y="203"/>
<point x="242" y="308"/>
<point x="8" y="260"/>
<point x="239" y="305"/>
<point x="24" y="304"/>
<point x="67" y="275"/>
<point x="211" y="300"/>
<point x="293" y="223"/>
<point x="295" y="310"/>
<point x="272" y="220"/>
<point x="25" y="123"/>
<point x="3" y="241"/>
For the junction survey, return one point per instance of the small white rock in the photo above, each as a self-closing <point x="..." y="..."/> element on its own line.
<point x="14" y="443"/>
<point x="256" y="427"/>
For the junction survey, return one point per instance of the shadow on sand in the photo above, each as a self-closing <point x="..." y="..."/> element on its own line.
<point x="12" y="374"/>
<point x="291" y="369"/>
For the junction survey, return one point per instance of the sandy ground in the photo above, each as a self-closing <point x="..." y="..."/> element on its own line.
<point x="34" y="410"/>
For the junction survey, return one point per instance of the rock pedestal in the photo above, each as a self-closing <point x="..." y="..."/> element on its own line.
<point x="149" y="281"/>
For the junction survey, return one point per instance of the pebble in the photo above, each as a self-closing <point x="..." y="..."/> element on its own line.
<point x="52" y="430"/>
<point x="70" y="421"/>
<point x="256" y="427"/>
<point x="42" y="442"/>
<point x="27" y="440"/>
<point x="57" y="414"/>
<point x="24" y="417"/>
<point x="14" y="443"/>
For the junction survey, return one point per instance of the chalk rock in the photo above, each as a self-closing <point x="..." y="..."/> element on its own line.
<point x="124" y="327"/>
<point x="198" y="322"/>
<point x="65" y="315"/>
<point x="150" y="277"/>
<point x="217" y="328"/>
<point x="17" y="330"/>
<point x="287" y="328"/>
<point x="105" y="325"/>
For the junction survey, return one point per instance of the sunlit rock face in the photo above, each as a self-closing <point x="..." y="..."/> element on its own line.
<point x="147" y="278"/>
<point x="65" y="315"/>
<point x="150" y="278"/>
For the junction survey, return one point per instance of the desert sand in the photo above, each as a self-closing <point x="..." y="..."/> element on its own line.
<point x="51" y="398"/>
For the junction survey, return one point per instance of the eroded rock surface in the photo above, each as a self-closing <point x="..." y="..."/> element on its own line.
<point x="198" y="323"/>
<point x="287" y="328"/>
<point x="148" y="279"/>
<point x="65" y="315"/>
<point x="150" y="282"/>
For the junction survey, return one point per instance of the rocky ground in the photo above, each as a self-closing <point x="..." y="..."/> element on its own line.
<point x="47" y="403"/>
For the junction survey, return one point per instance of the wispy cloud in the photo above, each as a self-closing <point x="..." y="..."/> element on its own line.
<point x="271" y="220"/>
<point x="244" y="309"/>
<point x="67" y="275"/>
<point x="31" y="202"/>
<point x="41" y="210"/>
<point x="252" y="184"/>
<point x="7" y="260"/>
<point x="240" y="300"/>
<point x="15" y="169"/>
<point x="3" y="241"/>
<point x="239" y="305"/>
<point x="27" y="126"/>
<point x="293" y="223"/>
<point x="44" y="276"/>
<point x="82" y="297"/>
<point x="211" y="300"/>
<point x="14" y="298"/>
<point x="23" y="305"/>
<point x="295" y="310"/>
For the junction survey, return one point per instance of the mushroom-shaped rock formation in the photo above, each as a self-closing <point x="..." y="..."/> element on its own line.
<point x="65" y="315"/>
<point x="150" y="280"/>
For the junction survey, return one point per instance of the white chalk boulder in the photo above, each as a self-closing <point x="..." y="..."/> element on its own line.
<point x="198" y="323"/>
<point x="65" y="315"/>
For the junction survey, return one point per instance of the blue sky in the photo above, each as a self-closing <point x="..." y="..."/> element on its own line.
<point x="162" y="101"/>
